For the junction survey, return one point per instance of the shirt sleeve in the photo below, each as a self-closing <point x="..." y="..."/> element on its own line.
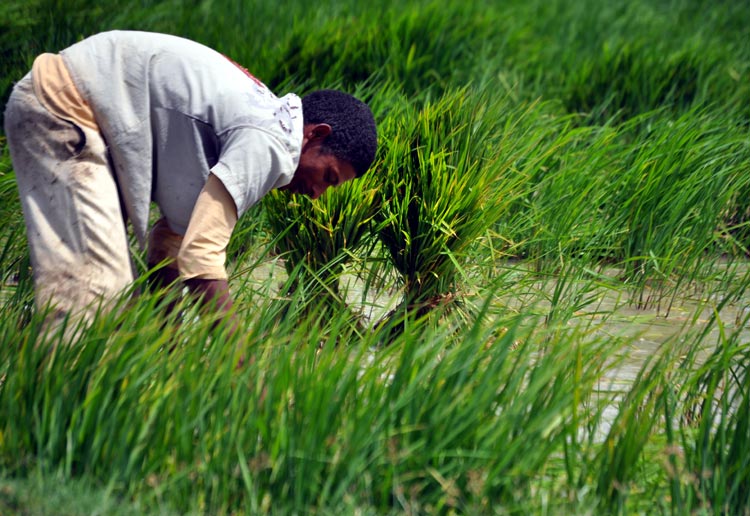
<point x="203" y="251"/>
<point x="252" y="162"/>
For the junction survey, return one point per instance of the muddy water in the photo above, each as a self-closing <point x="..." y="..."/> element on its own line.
<point x="608" y="310"/>
<point x="611" y="314"/>
<point x="647" y="329"/>
<point x="603" y="313"/>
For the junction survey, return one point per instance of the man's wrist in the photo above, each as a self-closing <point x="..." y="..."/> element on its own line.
<point x="211" y="291"/>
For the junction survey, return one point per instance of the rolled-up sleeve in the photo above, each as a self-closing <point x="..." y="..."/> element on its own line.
<point x="203" y="251"/>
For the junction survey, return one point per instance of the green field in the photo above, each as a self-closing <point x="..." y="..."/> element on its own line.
<point x="535" y="303"/>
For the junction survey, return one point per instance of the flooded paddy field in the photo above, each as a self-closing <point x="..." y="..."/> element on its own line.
<point x="596" y="309"/>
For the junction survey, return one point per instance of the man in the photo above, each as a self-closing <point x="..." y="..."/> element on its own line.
<point x="122" y="119"/>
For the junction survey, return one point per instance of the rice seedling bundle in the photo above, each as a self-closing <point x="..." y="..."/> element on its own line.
<point x="437" y="194"/>
<point x="317" y="238"/>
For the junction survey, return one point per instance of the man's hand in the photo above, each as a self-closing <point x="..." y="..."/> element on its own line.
<point x="162" y="277"/>
<point x="214" y="293"/>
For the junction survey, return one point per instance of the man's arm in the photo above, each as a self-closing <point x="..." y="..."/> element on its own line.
<point x="202" y="255"/>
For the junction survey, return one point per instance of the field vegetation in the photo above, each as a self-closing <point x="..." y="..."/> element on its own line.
<point x="469" y="328"/>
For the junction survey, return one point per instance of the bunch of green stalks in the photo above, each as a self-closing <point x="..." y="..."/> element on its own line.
<point x="500" y="417"/>
<point x="435" y="188"/>
<point x="712" y="465"/>
<point x="438" y="193"/>
<point x="419" y="50"/>
<point x="709" y="465"/>
<point x="668" y="198"/>
<point x="656" y="197"/>
<point x="688" y="411"/>
<point x="682" y="53"/>
<point x="558" y="172"/>
<point x="664" y="55"/>
<point x="316" y="239"/>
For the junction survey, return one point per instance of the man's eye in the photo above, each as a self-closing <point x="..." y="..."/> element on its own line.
<point x="332" y="179"/>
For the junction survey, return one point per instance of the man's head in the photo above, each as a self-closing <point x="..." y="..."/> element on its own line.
<point x="338" y="144"/>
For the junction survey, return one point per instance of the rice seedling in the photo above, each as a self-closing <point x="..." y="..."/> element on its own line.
<point x="317" y="238"/>
<point x="674" y="191"/>
<point x="342" y="46"/>
<point x="40" y="494"/>
<point x="188" y="429"/>
<point x="559" y="208"/>
<point x="436" y="197"/>
<point x="10" y="210"/>
<point x="711" y="467"/>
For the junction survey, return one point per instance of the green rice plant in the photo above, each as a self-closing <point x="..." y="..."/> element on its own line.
<point x="317" y="238"/>
<point x="10" y="209"/>
<point x="14" y="18"/>
<point x="622" y="454"/>
<point x="580" y="184"/>
<point x="531" y="138"/>
<point x="650" y="56"/>
<point x="421" y="426"/>
<point x="249" y="237"/>
<point x="670" y="196"/>
<point x="713" y="468"/>
<point x="627" y="81"/>
<point x="437" y="193"/>
<point x="30" y="28"/>
<point x="14" y="260"/>
<point x="420" y="49"/>
<point x="16" y="283"/>
<point x="679" y="435"/>
<point x="566" y="187"/>
<point x="43" y="495"/>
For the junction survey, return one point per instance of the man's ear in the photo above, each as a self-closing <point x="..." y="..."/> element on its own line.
<point x="319" y="131"/>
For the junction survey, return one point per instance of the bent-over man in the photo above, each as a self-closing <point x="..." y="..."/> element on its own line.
<point x="123" y="119"/>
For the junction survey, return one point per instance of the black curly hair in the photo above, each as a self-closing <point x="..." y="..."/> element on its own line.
<point x="353" y="137"/>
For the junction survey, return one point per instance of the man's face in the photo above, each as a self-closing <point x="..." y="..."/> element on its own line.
<point x="317" y="169"/>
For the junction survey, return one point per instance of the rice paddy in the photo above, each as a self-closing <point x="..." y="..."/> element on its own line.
<point x="536" y="301"/>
